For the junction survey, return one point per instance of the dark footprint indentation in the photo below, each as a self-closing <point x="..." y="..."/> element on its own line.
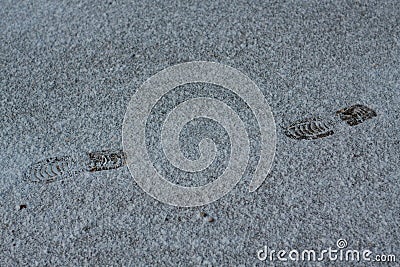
<point x="356" y="114"/>
<point x="60" y="168"/>
<point x="311" y="128"/>
<point x="314" y="128"/>
<point x="106" y="160"/>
